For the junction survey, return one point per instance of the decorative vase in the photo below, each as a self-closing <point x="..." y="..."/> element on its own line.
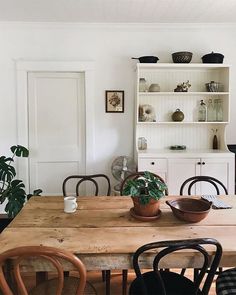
<point x="178" y="116"/>
<point x="215" y="142"/>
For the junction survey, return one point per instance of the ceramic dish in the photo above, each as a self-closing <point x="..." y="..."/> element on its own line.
<point x="178" y="147"/>
<point x="144" y="218"/>
<point x="189" y="209"/>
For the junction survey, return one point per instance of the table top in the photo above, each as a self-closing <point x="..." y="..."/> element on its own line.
<point x="102" y="227"/>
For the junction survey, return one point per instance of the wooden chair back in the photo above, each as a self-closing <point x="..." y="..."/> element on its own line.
<point x="87" y="178"/>
<point x="53" y="255"/>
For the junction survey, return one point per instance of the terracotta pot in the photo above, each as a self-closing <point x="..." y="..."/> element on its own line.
<point x="148" y="210"/>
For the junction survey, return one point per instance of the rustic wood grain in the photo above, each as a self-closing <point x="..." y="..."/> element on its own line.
<point x="104" y="235"/>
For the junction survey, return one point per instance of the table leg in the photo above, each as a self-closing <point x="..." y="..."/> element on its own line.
<point x="108" y="281"/>
<point x="124" y="281"/>
<point x="41" y="276"/>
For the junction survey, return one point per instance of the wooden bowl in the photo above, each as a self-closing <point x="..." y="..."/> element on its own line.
<point x="188" y="209"/>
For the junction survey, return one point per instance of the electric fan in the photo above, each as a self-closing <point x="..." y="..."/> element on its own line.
<point x="121" y="167"/>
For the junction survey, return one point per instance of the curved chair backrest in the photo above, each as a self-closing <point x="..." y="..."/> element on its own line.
<point x="192" y="180"/>
<point x="52" y="255"/>
<point x="89" y="178"/>
<point x="137" y="175"/>
<point x="168" y="247"/>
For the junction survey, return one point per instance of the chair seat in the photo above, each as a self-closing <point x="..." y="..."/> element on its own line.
<point x="226" y="282"/>
<point x="70" y="286"/>
<point x="175" y="284"/>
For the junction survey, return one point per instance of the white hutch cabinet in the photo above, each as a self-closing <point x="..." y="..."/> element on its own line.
<point x="199" y="157"/>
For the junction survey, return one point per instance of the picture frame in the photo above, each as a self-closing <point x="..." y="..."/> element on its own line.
<point x="114" y="101"/>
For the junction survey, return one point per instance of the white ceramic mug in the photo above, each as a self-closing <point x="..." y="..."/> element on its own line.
<point x="70" y="204"/>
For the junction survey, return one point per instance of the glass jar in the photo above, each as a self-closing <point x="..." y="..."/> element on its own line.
<point x="219" y="109"/>
<point x="211" y="111"/>
<point x="143" y="87"/>
<point x="142" y="143"/>
<point x="202" y="111"/>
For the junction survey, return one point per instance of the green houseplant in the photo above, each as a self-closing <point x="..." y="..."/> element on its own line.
<point x="11" y="189"/>
<point x="146" y="189"/>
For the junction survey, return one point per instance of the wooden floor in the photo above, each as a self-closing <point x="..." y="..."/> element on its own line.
<point x="116" y="282"/>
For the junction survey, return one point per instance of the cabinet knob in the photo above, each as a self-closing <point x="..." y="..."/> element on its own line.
<point x="199" y="163"/>
<point x="152" y="163"/>
<point x="203" y="163"/>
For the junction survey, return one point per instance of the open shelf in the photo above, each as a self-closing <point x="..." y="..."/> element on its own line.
<point x="181" y="123"/>
<point x="182" y="93"/>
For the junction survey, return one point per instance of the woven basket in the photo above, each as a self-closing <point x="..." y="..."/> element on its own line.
<point x="182" y="57"/>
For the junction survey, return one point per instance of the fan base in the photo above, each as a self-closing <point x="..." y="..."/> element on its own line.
<point x="117" y="187"/>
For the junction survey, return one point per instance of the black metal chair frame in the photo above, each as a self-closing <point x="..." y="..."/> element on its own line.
<point x="84" y="178"/>
<point x="106" y="274"/>
<point x="195" y="179"/>
<point x="176" y="245"/>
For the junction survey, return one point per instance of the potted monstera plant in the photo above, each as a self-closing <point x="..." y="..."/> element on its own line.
<point x="12" y="190"/>
<point x="146" y="189"/>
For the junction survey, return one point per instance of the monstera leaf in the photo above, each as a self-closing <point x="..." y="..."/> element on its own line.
<point x="20" y="151"/>
<point x="7" y="172"/>
<point x="13" y="190"/>
<point x="16" y="197"/>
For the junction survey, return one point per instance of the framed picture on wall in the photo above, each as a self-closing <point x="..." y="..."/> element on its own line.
<point x="114" y="101"/>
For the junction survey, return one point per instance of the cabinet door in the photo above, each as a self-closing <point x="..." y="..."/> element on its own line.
<point x="219" y="168"/>
<point x="178" y="171"/>
<point x="155" y="165"/>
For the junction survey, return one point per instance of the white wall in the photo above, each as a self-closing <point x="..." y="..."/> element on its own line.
<point x="111" y="48"/>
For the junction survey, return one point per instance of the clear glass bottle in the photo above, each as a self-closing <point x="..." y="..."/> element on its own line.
<point x="142" y="143"/>
<point x="219" y="110"/>
<point x="202" y="112"/>
<point x="143" y="87"/>
<point x="211" y="111"/>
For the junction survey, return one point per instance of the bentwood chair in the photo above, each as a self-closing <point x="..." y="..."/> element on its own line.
<point x="211" y="180"/>
<point x="226" y="282"/>
<point x="95" y="181"/>
<point x="91" y="179"/>
<point x="133" y="176"/>
<point x="12" y="260"/>
<point x="188" y="183"/>
<point x="171" y="283"/>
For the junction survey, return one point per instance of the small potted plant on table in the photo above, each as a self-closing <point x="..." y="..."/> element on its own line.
<point x="146" y="189"/>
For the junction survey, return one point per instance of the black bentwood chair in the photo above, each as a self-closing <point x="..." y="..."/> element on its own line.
<point x="188" y="183"/>
<point x="171" y="283"/>
<point x="95" y="180"/>
<point x="192" y="180"/>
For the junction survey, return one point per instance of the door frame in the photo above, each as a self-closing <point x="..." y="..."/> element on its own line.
<point x="22" y="70"/>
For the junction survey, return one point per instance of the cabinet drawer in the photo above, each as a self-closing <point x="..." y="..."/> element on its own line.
<point x="152" y="164"/>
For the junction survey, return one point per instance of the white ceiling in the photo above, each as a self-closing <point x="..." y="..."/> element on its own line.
<point x="119" y="11"/>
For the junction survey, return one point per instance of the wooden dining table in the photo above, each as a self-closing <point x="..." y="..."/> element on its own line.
<point x="104" y="235"/>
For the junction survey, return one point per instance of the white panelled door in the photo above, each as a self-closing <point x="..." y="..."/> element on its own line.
<point x="56" y="116"/>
